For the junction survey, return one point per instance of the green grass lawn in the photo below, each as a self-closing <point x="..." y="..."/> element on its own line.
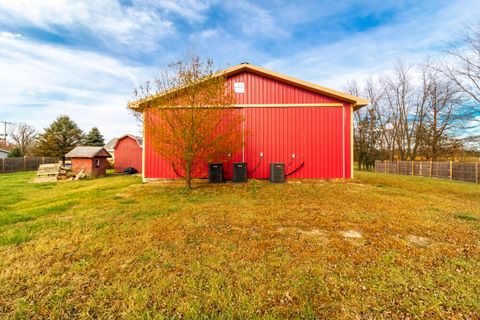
<point x="117" y="248"/>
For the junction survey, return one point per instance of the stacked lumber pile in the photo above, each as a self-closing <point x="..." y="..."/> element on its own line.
<point x="53" y="172"/>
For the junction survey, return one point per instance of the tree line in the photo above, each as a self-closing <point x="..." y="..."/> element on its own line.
<point x="429" y="111"/>
<point x="56" y="140"/>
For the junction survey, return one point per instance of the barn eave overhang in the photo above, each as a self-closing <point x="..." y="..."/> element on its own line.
<point x="356" y="102"/>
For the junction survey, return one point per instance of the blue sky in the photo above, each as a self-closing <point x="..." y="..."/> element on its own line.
<point x="83" y="58"/>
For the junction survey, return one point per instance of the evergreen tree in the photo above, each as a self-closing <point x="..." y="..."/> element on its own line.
<point x="94" y="138"/>
<point x="59" y="138"/>
<point x="15" y="152"/>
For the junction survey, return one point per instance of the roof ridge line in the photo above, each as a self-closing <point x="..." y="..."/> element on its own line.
<point x="357" y="102"/>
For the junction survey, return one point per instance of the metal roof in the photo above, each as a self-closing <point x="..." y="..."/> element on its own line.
<point x="88" y="152"/>
<point x="357" y="102"/>
<point x="138" y="139"/>
<point x="111" y="144"/>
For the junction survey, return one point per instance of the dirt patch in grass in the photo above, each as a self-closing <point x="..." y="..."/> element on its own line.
<point x="312" y="233"/>
<point x="418" y="241"/>
<point x="351" y="234"/>
<point x="316" y="235"/>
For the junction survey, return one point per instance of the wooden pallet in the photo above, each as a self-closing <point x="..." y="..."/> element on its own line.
<point x="52" y="172"/>
<point x="45" y="179"/>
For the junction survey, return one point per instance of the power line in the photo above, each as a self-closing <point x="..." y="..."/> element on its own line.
<point x="4" y="135"/>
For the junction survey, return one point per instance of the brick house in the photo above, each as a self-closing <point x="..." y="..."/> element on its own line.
<point x="92" y="160"/>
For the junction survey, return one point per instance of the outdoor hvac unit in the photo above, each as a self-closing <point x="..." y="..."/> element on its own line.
<point x="239" y="172"/>
<point x="215" y="172"/>
<point x="277" y="172"/>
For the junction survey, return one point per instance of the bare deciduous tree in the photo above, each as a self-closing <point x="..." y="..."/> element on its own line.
<point x="441" y="99"/>
<point x="366" y="131"/>
<point x="405" y="103"/>
<point x="464" y="68"/>
<point x="23" y="136"/>
<point x="190" y="116"/>
<point x="413" y="112"/>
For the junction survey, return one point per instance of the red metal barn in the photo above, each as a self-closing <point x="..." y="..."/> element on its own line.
<point x="304" y="125"/>
<point x="128" y="153"/>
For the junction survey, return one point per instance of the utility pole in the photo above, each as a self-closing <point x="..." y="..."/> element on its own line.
<point x="4" y="135"/>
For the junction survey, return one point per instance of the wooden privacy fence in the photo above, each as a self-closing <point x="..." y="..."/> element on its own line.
<point x="8" y="165"/>
<point x="465" y="171"/>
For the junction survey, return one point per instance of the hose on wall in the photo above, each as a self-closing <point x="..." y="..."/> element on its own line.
<point x="296" y="169"/>
<point x="256" y="166"/>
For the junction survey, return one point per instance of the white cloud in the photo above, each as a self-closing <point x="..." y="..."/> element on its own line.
<point x="193" y="10"/>
<point x="360" y="55"/>
<point x="107" y="20"/>
<point x="9" y="35"/>
<point x="255" y="20"/>
<point x="39" y="82"/>
<point x="205" y="34"/>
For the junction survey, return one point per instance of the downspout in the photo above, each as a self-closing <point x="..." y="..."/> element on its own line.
<point x="243" y="135"/>
<point x="143" y="147"/>
<point x="343" y="141"/>
<point x="351" y="142"/>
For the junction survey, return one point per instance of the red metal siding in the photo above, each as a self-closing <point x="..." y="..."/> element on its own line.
<point x="263" y="90"/>
<point x="313" y="135"/>
<point x="318" y="136"/>
<point x="155" y="165"/>
<point x="127" y="154"/>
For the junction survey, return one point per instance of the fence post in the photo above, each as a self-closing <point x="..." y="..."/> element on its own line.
<point x="396" y="169"/>
<point x="43" y="160"/>
<point x="24" y="163"/>
<point x="451" y="170"/>
<point x="430" y="169"/>
<point x="384" y="166"/>
<point x="476" y="172"/>
<point x="3" y="165"/>
<point x="413" y="167"/>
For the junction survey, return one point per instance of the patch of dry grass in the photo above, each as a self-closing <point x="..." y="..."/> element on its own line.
<point x="114" y="248"/>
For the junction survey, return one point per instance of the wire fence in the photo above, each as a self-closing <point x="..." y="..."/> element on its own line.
<point x="465" y="171"/>
<point x="15" y="164"/>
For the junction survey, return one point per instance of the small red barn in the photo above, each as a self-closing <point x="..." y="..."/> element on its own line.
<point x="306" y="126"/>
<point x="92" y="160"/>
<point x="128" y="153"/>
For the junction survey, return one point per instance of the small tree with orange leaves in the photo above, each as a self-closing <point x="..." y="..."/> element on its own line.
<point x="190" y="119"/>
